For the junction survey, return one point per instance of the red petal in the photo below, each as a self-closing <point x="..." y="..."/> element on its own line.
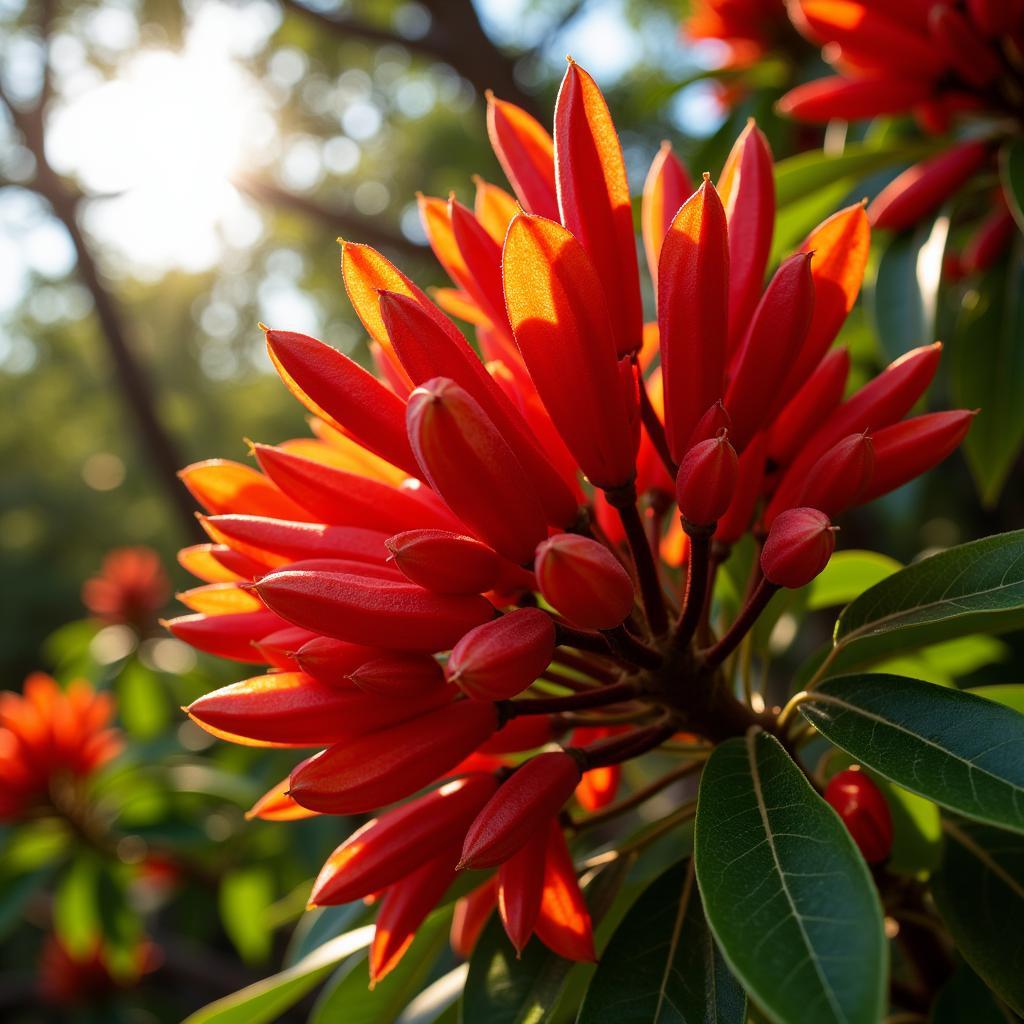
<point x="564" y="923"/>
<point x="526" y="154"/>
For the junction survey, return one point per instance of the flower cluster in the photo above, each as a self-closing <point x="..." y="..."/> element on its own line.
<point x="130" y="589"/>
<point x="750" y="29"/>
<point x="473" y="561"/>
<point x="943" y="62"/>
<point x="50" y="740"/>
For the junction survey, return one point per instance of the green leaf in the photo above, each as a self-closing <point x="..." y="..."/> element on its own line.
<point x="1010" y="694"/>
<point x="76" y="912"/>
<point x="944" y="663"/>
<point x="662" y="964"/>
<point x="142" y="703"/>
<point x="1011" y="170"/>
<point x="987" y="373"/>
<point x="973" y="588"/>
<point x="961" y="751"/>
<point x="979" y="891"/>
<point x="799" y="176"/>
<point x="438" y="1003"/>
<point x="347" y="996"/>
<point x="965" y="997"/>
<point x="786" y="893"/>
<point x="501" y="989"/>
<point x="245" y="896"/>
<point x="847" y="575"/>
<point x="904" y="296"/>
<point x="266" y="1000"/>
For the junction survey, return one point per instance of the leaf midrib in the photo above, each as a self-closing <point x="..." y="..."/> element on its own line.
<point x="762" y="808"/>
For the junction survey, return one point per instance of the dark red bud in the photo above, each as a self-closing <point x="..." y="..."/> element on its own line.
<point x="860" y="804"/>
<point x="582" y="580"/>
<point x="398" y="675"/>
<point x="798" y="547"/>
<point x="447" y="563"/>
<point x="706" y="481"/>
<point x="499" y="659"/>
<point x="839" y="478"/>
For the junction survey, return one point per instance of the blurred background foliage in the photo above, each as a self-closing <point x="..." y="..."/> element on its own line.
<point x="172" y="173"/>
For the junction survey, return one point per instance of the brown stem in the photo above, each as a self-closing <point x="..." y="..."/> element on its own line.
<point x="623" y="500"/>
<point x="758" y="601"/>
<point x="617" y="749"/>
<point x="640" y="796"/>
<point x="602" y="673"/>
<point x="697" y="582"/>
<point x="614" y="694"/>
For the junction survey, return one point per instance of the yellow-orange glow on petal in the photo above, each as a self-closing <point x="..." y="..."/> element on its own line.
<point x="667" y="187"/>
<point x="526" y="153"/>
<point x="494" y="208"/>
<point x="199" y="561"/>
<point x="220" y="599"/>
<point x="220" y="485"/>
<point x="455" y="302"/>
<point x="276" y="805"/>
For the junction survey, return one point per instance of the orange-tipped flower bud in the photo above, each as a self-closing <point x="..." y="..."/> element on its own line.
<point x="403" y="909"/>
<point x="390" y="847"/>
<point x="526" y="153"/>
<point x="520" y="887"/>
<point x="470" y="916"/>
<point x="582" y="580"/>
<point x="864" y="812"/>
<point x="389" y="764"/>
<point x="798" y="547"/>
<point x="532" y="796"/>
<point x="924" y="187"/>
<point x="707" y="481"/>
<point x="841" y="476"/>
<point x="501" y="658"/>
<point x="471" y="466"/>
<point x="277" y="805"/>
<point x="564" y="924"/>
<point x="376" y="612"/>
<point x="447" y="563"/>
<point x="291" y="708"/>
<point x="398" y="675"/>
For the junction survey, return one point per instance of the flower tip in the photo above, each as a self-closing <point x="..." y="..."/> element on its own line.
<point x="707" y="177"/>
<point x="262" y="326"/>
<point x="489" y="95"/>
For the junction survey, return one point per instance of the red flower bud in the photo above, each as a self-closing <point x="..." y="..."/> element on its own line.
<point x="667" y="187"/>
<point x="564" y="924"/>
<point x="970" y="56"/>
<point x="390" y="847"/>
<point x="340" y="391"/>
<point x="503" y="657"/>
<point x="593" y="199"/>
<point x="227" y="636"/>
<point x="924" y="187"/>
<point x="536" y="792"/>
<point x="471" y="466"/>
<point x="908" y="449"/>
<point x="524" y="733"/>
<point x="445" y="562"/>
<point x="526" y="153"/>
<point x="332" y="661"/>
<point x="520" y="887"/>
<point x="389" y="764"/>
<point x="582" y="580"/>
<point x="276" y="542"/>
<point x="864" y="811"/>
<point x="853" y="99"/>
<point x="988" y="241"/>
<point x="398" y="675"/>
<point x="747" y="188"/>
<point x="749" y="485"/>
<point x="799" y="545"/>
<point x="810" y="406"/>
<point x="403" y="909"/>
<point x="563" y="330"/>
<point x="470" y="917"/>
<point x="279" y="648"/>
<point x="341" y="498"/>
<point x="693" y="313"/>
<point x="277" y="805"/>
<point x="707" y="481"/>
<point x="770" y="347"/>
<point x="427" y="350"/>
<point x="291" y="708"/>
<point x="714" y="420"/>
<point x="376" y="612"/>
<point x="841" y="476"/>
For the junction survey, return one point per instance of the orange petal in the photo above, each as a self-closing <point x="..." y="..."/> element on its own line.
<point x="220" y="485"/>
<point x="277" y="805"/>
<point x="220" y="599"/>
<point x="198" y="559"/>
<point x="526" y="154"/>
<point x="564" y="922"/>
<point x="494" y="208"/>
<point x="667" y="187"/>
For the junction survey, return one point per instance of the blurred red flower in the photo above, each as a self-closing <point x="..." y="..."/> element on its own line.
<point x="130" y="588"/>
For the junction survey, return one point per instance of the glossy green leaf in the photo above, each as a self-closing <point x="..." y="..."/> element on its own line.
<point x="847" y="575"/>
<point x="961" y="751"/>
<point x="946" y="662"/>
<point x="1011" y="170"/>
<point x="438" y="1002"/>
<point x="987" y="373"/>
<point x="973" y="588"/>
<point x="347" y="996"/>
<point x="904" y="296"/>
<point x="501" y="989"/>
<point x="1010" y="694"/>
<point x="786" y="893"/>
<point x="266" y="1000"/>
<point x="798" y="176"/>
<point x="245" y="896"/>
<point x="76" y="912"/>
<point x="318" y="926"/>
<point x="142" y="703"/>
<point x="979" y="891"/>
<point x="662" y="964"/>
<point x="965" y="997"/>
